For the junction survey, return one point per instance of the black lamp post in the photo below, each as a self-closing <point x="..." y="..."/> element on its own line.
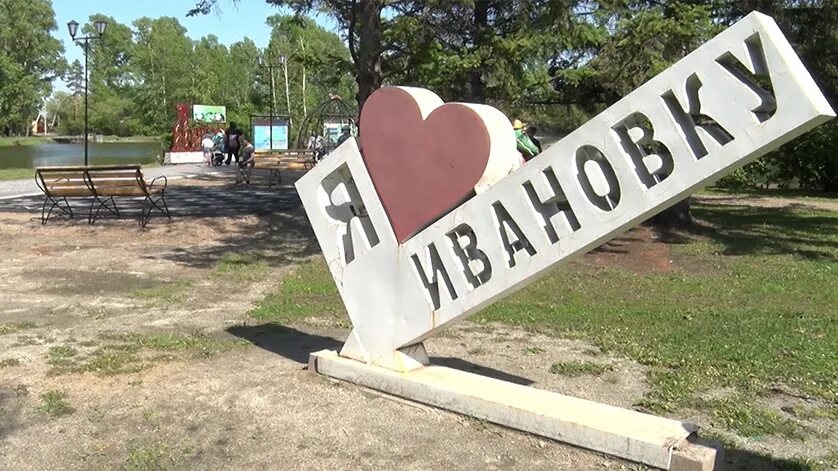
<point x="267" y="62"/>
<point x="73" y="27"/>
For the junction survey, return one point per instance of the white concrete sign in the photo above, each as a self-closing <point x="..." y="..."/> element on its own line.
<point x="700" y="119"/>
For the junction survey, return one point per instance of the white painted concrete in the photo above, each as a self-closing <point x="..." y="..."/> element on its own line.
<point x="618" y="432"/>
<point x="596" y="183"/>
<point x="174" y="158"/>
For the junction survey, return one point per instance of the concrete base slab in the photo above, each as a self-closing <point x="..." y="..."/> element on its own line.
<point x="623" y="433"/>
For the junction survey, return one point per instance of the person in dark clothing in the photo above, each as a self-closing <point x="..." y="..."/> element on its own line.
<point x="345" y="134"/>
<point x="531" y="132"/>
<point x="233" y="143"/>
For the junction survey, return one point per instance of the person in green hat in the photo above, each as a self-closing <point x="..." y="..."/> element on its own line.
<point x="525" y="145"/>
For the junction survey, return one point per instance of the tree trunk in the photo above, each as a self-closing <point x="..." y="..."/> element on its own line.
<point x="305" y="101"/>
<point x="676" y="217"/>
<point x="368" y="63"/>
<point x="481" y="23"/>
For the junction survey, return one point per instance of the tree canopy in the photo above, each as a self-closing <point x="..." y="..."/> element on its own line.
<point x="30" y="59"/>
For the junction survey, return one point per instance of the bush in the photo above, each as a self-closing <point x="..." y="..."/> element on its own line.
<point x="810" y="162"/>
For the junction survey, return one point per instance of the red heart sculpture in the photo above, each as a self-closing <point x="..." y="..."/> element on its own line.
<point x="422" y="168"/>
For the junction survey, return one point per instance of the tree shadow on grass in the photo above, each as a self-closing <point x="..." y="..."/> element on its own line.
<point x="752" y="230"/>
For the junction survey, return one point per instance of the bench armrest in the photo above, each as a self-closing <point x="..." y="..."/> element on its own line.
<point x="154" y="182"/>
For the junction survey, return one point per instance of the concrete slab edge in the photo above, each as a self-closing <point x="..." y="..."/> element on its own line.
<point x="634" y="436"/>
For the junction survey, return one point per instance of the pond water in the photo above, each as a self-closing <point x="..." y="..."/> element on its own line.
<point x="73" y="154"/>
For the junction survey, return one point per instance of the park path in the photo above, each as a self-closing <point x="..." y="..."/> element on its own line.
<point x="27" y="187"/>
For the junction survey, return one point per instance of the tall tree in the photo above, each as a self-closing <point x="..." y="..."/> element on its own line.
<point x="163" y="66"/>
<point x="30" y="58"/>
<point x="318" y="63"/>
<point x="112" y="100"/>
<point x="364" y="26"/>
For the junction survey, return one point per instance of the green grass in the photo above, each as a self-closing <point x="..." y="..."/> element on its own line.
<point x="152" y="457"/>
<point x="129" y="353"/>
<point x="754" y="306"/>
<point x="163" y="293"/>
<point x="578" y="368"/>
<point x="239" y="266"/>
<point x="308" y="291"/>
<point x="23" y="141"/>
<point x="16" y="173"/>
<point x="750" y="307"/>
<point x="55" y="404"/>
<point x="16" y="326"/>
<point x="771" y="193"/>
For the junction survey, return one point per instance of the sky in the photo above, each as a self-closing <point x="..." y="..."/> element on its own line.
<point x="235" y="21"/>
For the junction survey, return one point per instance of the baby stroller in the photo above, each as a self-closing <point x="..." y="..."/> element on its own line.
<point x="218" y="154"/>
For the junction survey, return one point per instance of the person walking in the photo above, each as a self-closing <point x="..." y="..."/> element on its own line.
<point x="233" y="143"/>
<point x="345" y="134"/>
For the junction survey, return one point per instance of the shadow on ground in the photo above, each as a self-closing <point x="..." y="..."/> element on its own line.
<point x="296" y="346"/>
<point x="753" y="230"/>
<point x="742" y="460"/>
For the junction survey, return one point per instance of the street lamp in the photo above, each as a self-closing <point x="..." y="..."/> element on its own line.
<point x="73" y="28"/>
<point x="265" y="60"/>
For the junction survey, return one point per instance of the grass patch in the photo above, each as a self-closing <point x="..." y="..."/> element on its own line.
<point x="129" y="353"/>
<point x="239" y="266"/>
<point x="308" y="291"/>
<point x="23" y="141"/>
<point x="153" y="457"/>
<point x="16" y="173"/>
<point x="578" y="368"/>
<point x="55" y="404"/>
<point x="9" y="362"/>
<point x="60" y="354"/>
<point x="828" y="412"/>
<point x="738" y="414"/>
<point x="165" y="293"/>
<point x="16" y="326"/>
<point x="771" y="193"/>
<point x="534" y="350"/>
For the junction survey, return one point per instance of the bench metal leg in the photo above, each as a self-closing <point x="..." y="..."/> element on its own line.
<point x="103" y="203"/>
<point x="45" y="214"/>
<point x="275" y="176"/>
<point x="149" y="204"/>
<point x="243" y="175"/>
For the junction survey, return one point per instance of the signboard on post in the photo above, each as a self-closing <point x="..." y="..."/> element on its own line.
<point x="270" y="136"/>
<point x="207" y="114"/>
<point x="412" y="251"/>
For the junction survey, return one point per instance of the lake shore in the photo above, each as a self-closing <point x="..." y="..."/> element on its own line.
<point x="35" y="140"/>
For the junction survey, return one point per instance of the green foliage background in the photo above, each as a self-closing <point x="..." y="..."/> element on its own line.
<point x="552" y="63"/>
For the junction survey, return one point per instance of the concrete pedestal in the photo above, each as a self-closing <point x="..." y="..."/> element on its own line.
<point x="643" y="438"/>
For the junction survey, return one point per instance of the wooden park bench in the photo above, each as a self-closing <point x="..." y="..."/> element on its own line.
<point x="100" y="184"/>
<point x="276" y="161"/>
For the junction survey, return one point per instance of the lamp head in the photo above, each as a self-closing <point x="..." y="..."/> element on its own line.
<point x="73" y="28"/>
<point x="100" y="26"/>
